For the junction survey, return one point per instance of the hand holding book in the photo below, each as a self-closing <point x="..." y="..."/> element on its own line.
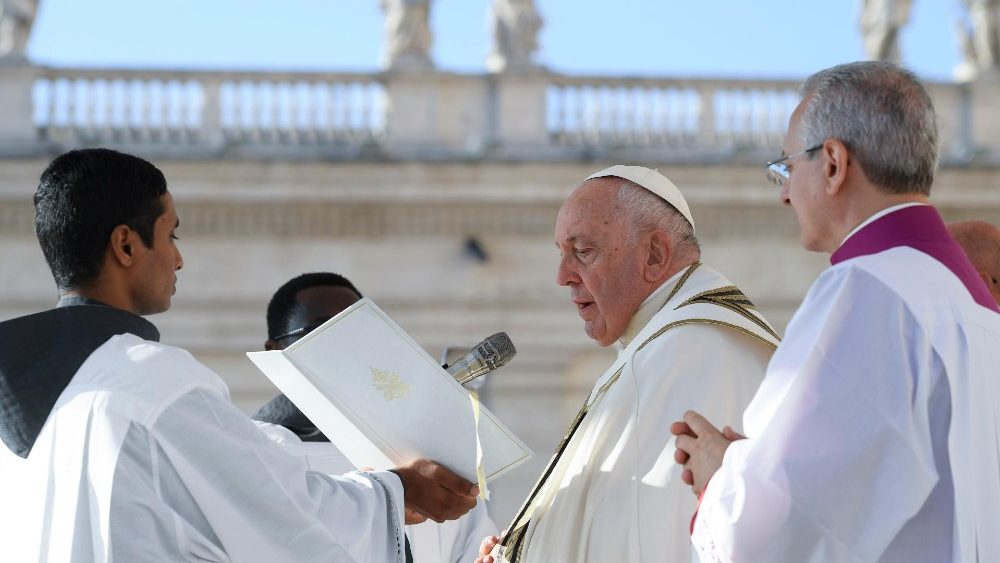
<point x="432" y="490"/>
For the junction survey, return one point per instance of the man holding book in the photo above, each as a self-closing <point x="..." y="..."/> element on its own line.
<point x="119" y="448"/>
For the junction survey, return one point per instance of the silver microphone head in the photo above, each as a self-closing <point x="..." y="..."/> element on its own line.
<point x="488" y="355"/>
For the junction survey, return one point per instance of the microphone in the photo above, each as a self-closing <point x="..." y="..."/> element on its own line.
<point x="488" y="355"/>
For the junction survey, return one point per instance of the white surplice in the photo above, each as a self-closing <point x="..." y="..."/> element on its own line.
<point x="875" y="435"/>
<point x="454" y="541"/>
<point x="144" y="458"/>
<point x="616" y="493"/>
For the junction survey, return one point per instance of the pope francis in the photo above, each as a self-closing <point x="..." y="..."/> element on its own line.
<point x="685" y="335"/>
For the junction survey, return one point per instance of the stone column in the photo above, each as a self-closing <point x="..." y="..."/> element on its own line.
<point x="18" y="135"/>
<point x="436" y="115"/>
<point x="519" y="113"/>
<point x="211" y="134"/>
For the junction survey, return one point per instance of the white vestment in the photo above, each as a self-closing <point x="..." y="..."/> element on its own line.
<point x="454" y="541"/>
<point x="875" y="434"/>
<point x="143" y="458"/>
<point x="615" y="494"/>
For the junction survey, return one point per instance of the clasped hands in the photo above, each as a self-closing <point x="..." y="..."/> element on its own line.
<point x="700" y="448"/>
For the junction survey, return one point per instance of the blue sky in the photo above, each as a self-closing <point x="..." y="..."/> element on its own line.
<point x="739" y="38"/>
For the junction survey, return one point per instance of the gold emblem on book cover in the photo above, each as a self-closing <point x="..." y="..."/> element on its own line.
<point x="389" y="384"/>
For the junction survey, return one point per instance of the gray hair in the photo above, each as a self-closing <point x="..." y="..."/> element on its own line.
<point x="883" y="115"/>
<point x="643" y="212"/>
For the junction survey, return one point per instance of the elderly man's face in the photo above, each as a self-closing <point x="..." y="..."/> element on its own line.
<point x="803" y="191"/>
<point x="603" y="273"/>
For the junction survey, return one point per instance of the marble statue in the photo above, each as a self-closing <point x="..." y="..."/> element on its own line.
<point x="985" y="36"/>
<point x="880" y="23"/>
<point x="16" y="18"/>
<point x="408" y="35"/>
<point x="515" y="25"/>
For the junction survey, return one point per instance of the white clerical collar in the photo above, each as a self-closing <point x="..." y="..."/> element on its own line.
<point x="878" y="216"/>
<point x="652" y="304"/>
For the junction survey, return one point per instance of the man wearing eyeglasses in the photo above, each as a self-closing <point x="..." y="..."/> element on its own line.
<point x="875" y="435"/>
<point x="297" y="308"/>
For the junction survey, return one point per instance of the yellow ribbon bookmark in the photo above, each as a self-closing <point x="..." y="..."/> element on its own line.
<point x="484" y="492"/>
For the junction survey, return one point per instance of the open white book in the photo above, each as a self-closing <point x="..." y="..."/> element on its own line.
<point x="383" y="401"/>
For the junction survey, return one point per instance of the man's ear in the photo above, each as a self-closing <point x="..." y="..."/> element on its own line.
<point x="122" y="245"/>
<point x="660" y="253"/>
<point x="835" y="160"/>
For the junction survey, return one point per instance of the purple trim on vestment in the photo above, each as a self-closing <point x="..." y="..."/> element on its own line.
<point x="919" y="227"/>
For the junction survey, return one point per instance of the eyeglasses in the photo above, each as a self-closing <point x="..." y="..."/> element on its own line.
<point x="299" y="331"/>
<point x="777" y="170"/>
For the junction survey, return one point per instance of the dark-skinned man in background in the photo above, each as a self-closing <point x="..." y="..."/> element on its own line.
<point x="296" y="309"/>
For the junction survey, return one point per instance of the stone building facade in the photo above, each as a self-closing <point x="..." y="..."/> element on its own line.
<point x="393" y="178"/>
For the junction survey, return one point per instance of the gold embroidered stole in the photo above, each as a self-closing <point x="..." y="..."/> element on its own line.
<point x="513" y="540"/>
<point x="729" y="297"/>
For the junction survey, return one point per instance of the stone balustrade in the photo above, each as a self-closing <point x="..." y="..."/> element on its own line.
<point x="669" y="112"/>
<point x="209" y="110"/>
<point x="536" y="116"/>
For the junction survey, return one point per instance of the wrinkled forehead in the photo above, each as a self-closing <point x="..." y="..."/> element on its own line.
<point x="599" y="195"/>
<point x="592" y="211"/>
